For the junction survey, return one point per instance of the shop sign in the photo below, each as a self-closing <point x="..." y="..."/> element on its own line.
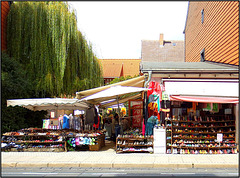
<point x="137" y="116"/>
<point x="46" y="123"/>
<point x="165" y="96"/>
<point x="136" y="104"/>
<point x="219" y="137"/>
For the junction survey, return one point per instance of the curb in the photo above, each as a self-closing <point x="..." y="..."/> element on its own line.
<point x="63" y="164"/>
<point x="99" y="165"/>
<point x="9" y="165"/>
<point x="215" y="165"/>
<point x="123" y="165"/>
<point x="31" y="165"/>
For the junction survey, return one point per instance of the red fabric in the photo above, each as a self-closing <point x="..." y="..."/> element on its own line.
<point x="155" y="87"/>
<point x="143" y="128"/>
<point x="204" y="99"/>
<point x="96" y="126"/>
<point x="151" y="87"/>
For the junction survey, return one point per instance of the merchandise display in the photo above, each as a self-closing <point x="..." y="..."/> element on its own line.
<point x="208" y="133"/>
<point x="35" y="139"/>
<point x="94" y="141"/>
<point x="168" y="136"/>
<point x="134" y="143"/>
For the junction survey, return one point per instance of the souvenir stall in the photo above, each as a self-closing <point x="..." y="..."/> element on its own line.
<point x="133" y="139"/>
<point x="130" y="139"/>
<point x="202" y="128"/>
<point x="201" y="124"/>
<point x="144" y="123"/>
<point x="61" y="132"/>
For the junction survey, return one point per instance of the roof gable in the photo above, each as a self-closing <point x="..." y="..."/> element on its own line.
<point x="113" y="68"/>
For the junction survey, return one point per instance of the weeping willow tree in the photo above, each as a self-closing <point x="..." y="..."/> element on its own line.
<point x="44" y="38"/>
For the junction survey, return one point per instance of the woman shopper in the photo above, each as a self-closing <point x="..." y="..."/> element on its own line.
<point x="116" y="126"/>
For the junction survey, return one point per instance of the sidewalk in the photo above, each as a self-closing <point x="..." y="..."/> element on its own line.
<point x="107" y="157"/>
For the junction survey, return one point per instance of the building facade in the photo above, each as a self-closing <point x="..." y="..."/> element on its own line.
<point x="212" y="32"/>
<point x="5" y="7"/>
<point x="162" y="50"/>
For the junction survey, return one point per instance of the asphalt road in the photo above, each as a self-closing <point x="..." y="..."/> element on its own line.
<point x="115" y="172"/>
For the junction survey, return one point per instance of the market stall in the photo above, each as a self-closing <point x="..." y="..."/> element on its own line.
<point x="203" y="118"/>
<point x="59" y="133"/>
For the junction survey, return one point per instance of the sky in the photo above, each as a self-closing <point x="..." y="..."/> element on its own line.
<point x="116" y="28"/>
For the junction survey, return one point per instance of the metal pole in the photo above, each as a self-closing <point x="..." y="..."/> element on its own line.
<point x="118" y="110"/>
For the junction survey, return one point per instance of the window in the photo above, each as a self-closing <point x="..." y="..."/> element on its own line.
<point x="202" y="12"/>
<point x="202" y="55"/>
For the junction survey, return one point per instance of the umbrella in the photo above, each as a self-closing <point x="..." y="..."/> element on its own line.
<point x="38" y="104"/>
<point x="112" y="93"/>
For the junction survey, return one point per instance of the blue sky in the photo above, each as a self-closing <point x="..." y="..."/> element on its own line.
<point x="115" y="28"/>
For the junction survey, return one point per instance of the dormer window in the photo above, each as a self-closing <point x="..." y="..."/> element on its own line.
<point x="202" y="55"/>
<point x="202" y="12"/>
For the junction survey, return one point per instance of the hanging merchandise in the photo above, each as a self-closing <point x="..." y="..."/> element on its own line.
<point x="65" y="122"/>
<point x="71" y="122"/>
<point x="96" y="126"/>
<point x="60" y="122"/>
<point x="154" y="95"/>
<point x="145" y="112"/>
<point x="124" y="112"/>
<point x="91" y="115"/>
<point x="154" y="87"/>
<point x="215" y="107"/>
<point x="77" y="124"/>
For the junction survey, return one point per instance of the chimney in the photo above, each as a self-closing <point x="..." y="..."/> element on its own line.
<point x="161" y="41"/>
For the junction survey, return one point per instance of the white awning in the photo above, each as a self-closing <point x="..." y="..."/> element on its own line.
<point x="134" y="82"/>
<point x="211" y="88"/>
<point x="37" y="104"/>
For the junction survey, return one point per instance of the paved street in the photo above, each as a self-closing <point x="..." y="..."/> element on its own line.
<point x="116" y="172"/>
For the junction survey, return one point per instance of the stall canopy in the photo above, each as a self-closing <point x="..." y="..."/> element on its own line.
<point x="38" y="104"/>
<point x="113" y="92"/>
<point x="114" y="101"/>
<point x="134" y="82"/>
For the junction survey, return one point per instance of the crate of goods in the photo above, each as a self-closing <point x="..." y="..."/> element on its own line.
<point x="95" y="147"/>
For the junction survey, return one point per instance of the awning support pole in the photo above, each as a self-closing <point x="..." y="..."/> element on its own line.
<point x="118" y="110"/>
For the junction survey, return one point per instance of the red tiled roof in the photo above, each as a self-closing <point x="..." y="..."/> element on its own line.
<point x="112" y="67"/>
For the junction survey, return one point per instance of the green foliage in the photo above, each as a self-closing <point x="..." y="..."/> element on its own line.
<point x="47" y="57"/>
<point x="121" y="79"/>
<point x="16" y="85"/>
<point x="43" y="37"/>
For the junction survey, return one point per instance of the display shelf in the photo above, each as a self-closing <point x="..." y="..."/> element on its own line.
<point x="58" y="139"/>
<point x="169" y="133"/>
<point x="134" y="144"/>
<point x="203" y="127"/>
<point x="191" y="147"/>
<point x="202" y="132"/>
<point x="198" y="138"/>
<point x="202" y="122"/>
